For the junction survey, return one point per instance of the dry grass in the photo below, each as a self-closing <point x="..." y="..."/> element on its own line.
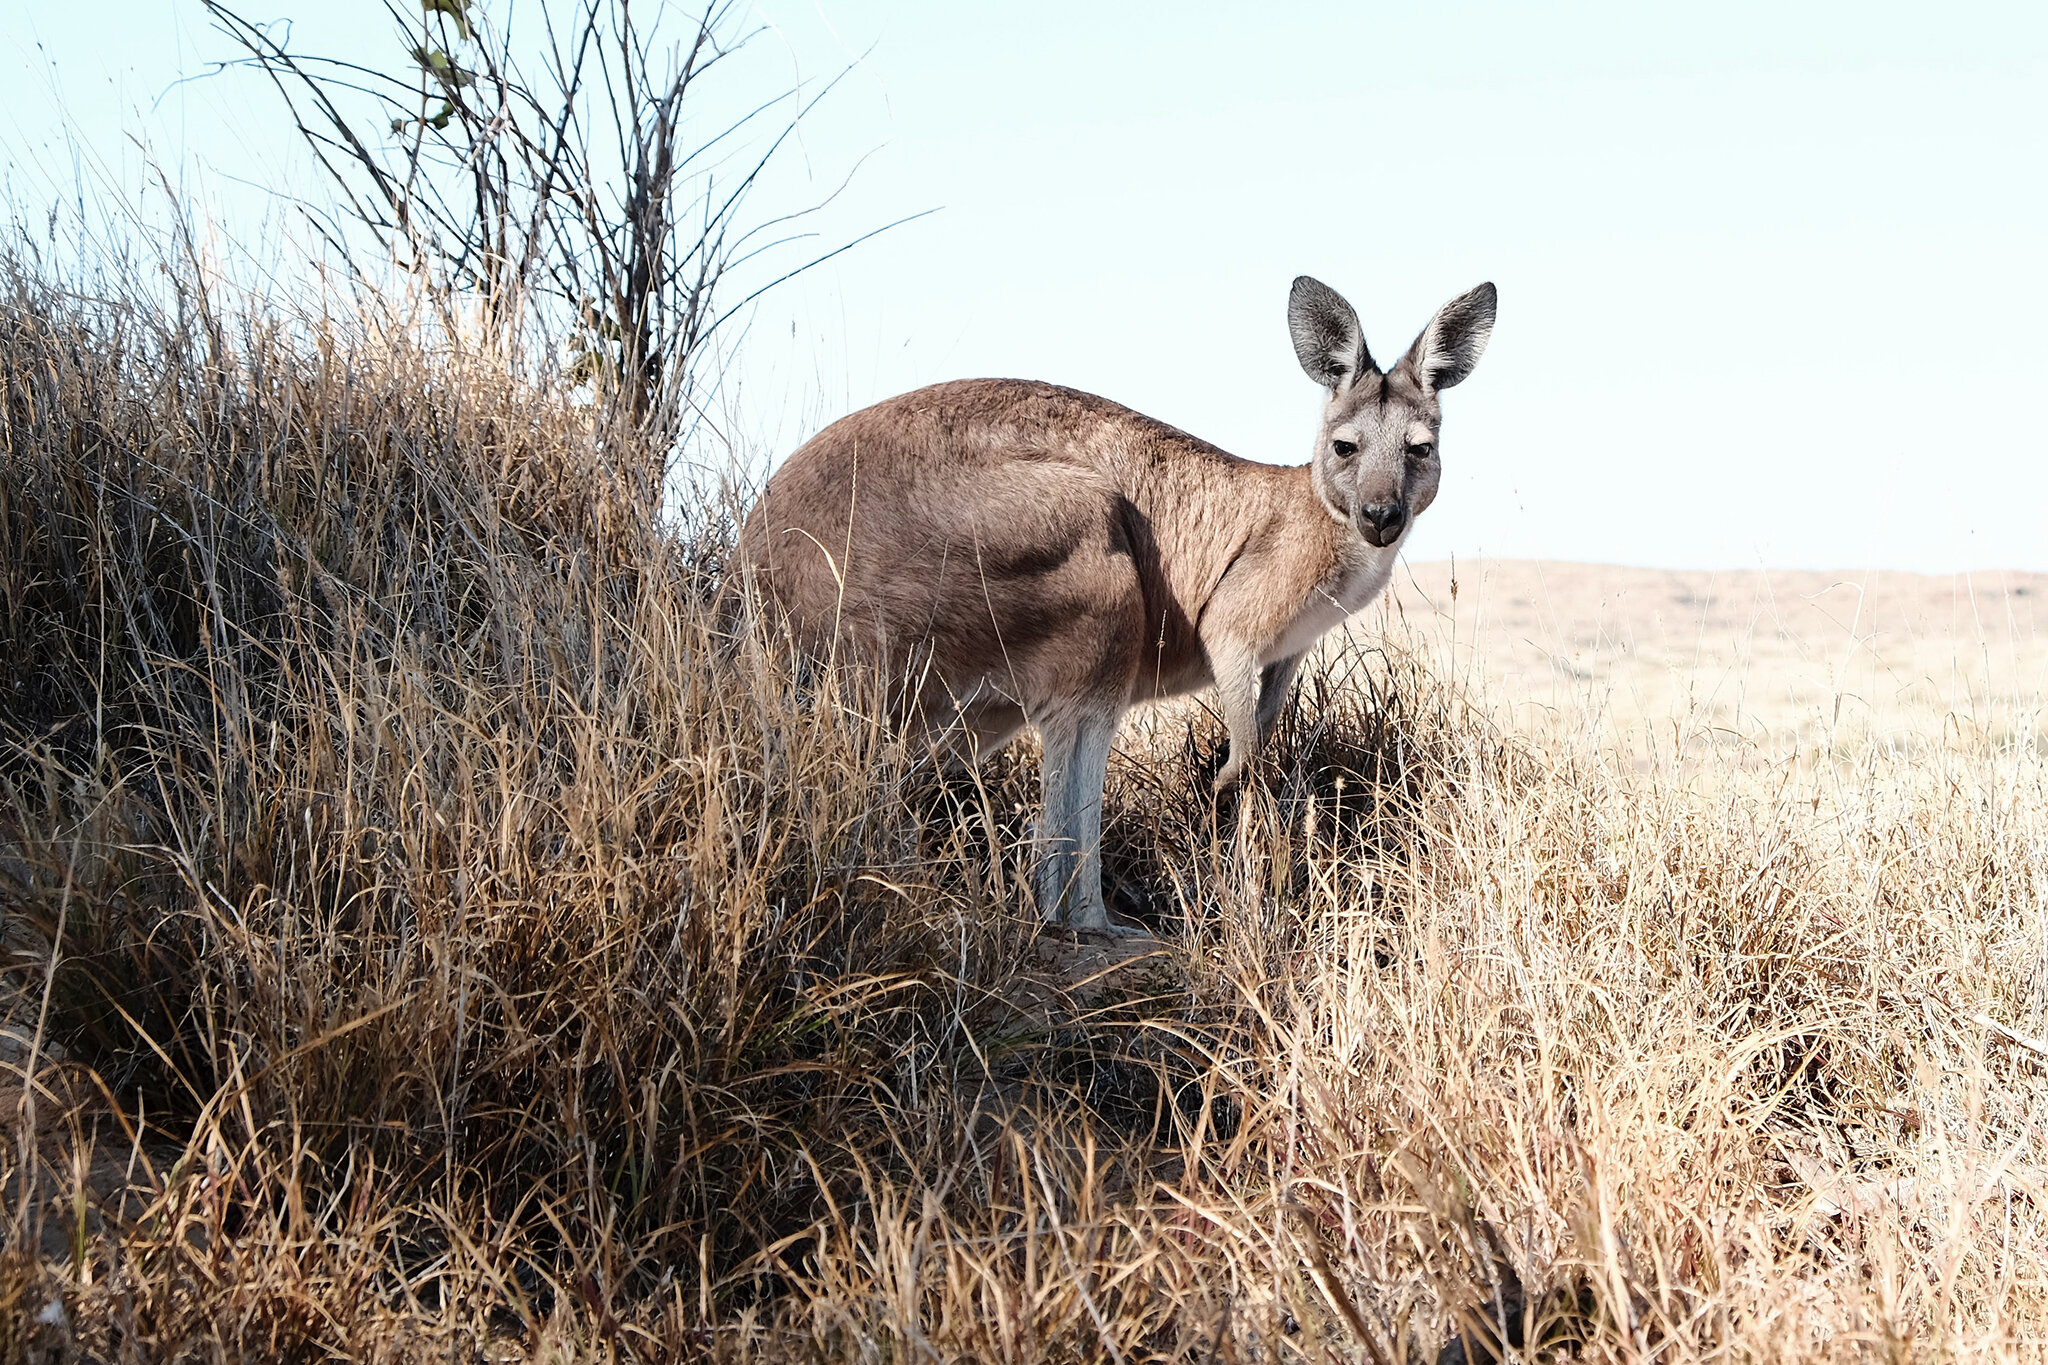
<point x="430" y="937"/>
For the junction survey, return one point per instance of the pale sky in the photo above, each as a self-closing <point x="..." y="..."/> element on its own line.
<point x="1771" y="275"/>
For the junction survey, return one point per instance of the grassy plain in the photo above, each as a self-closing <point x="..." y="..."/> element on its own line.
<point x="433" y="932"/>
<point x="1784" y="661"/>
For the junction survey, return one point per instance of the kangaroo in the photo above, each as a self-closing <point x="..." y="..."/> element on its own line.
<point x="1033" y="555"/>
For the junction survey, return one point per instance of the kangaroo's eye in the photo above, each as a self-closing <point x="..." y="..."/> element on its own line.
<point x="1344" y="449"/>
<point x="1422" y="451"/>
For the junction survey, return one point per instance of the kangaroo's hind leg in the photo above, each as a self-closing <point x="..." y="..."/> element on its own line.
<point x="1077" y="747"/>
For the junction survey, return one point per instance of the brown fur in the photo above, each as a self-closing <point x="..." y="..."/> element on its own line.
<point x="1094" y="544"/>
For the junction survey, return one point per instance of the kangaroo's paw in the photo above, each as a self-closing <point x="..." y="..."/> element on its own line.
<point x="1115" y="932"/>
<point x="1099" y="927"/>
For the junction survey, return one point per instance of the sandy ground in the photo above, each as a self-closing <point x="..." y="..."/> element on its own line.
<point x="1779" y="662"/>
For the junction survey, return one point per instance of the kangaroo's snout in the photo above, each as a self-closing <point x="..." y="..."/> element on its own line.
<point x="1381" y="522"/>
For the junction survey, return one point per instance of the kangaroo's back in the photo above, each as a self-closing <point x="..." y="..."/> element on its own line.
<point x="982" y="517"/>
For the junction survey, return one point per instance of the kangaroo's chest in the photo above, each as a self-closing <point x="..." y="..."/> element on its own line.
<point x="1350" y="586"/>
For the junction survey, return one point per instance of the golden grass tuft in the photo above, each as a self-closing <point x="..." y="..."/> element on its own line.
<point x="431" y="934"/>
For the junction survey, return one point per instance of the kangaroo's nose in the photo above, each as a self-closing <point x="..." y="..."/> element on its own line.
<point x="1381" y="522"/>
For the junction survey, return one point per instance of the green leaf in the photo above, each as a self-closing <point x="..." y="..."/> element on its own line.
<point x="443" y="68"/>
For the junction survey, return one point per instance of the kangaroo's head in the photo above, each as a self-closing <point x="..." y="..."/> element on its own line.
<point x="1376" y="465"/>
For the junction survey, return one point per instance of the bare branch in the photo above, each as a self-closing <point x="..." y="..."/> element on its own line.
<point x="575" y="212"/>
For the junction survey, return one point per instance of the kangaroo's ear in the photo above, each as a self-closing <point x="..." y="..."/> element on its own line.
<point x="1326" y="335"/>
<point x="1455" y="338"/>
